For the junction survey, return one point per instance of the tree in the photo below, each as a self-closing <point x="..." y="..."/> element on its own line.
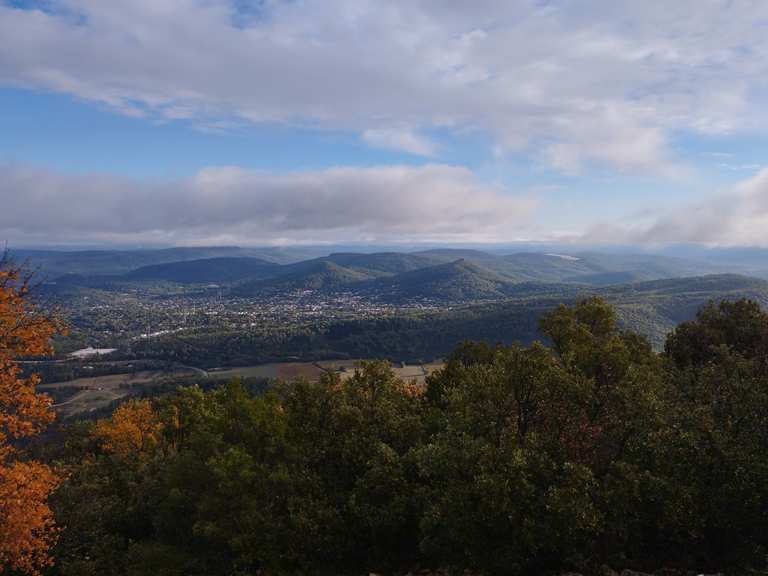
<point x="537" y="457"/>
<point x="133" y="430"/>
<point x="717" y="445"/>
<point x="27" y="528"/>
<point x="516" y="459"/>
<point x="741" y="327"/>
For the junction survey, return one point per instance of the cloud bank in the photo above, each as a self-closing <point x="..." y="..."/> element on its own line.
<point x="735" y="217"/>
<point x="389" y="204"/>
<point x="574" y="84"/>
<point x="226" y="205"/>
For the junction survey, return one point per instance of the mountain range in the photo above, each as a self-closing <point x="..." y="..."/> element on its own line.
<point x="447" y="275"/>
<point x="470" y="293"/>
<point x="55" y="263"/>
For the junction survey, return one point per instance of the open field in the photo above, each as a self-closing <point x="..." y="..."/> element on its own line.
<point x="313" y="370"/>
<point x="416" y="372"/>
<point x="279" y="370"/>
<point x="85" y="395"/>
<point x="90" y="394"/>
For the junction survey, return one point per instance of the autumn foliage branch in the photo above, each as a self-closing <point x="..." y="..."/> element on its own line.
<point x="27" y="529"/>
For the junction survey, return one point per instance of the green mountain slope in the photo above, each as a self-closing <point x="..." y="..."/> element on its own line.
<point x="597" y="269"/>
<point x="207" y="270"/>
<point x="310" y="275"/>
<point x="381" y="263"/>
<point x="580" y="268"/>
<point x="52" y="264"/>
<point x="651" y="308"/>
<point x="455" y="281"/>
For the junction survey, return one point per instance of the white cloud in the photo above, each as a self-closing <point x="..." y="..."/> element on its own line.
<point x="577" y="83"/>
<point x="614" y="137"/>
<point x="226" y="204"/>
<point x="738" y="216"/>
<point x="400" y="139"/>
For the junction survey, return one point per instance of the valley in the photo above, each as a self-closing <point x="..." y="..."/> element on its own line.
<point x="234" y="313"/>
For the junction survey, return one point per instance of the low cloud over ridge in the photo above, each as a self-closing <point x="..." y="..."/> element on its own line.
<point x="232" y="205"/>
<point x="735" y="217"/>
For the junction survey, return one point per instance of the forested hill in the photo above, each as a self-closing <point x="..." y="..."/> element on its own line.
<point x="216" y="265"/>
<point x="207" y="270"/>
<point x="650" y="308"/>
<point x="316" y="275"/>
<point x="590" y="455"/>
<point x="444" y="275"/>
<point x="461" y="280"/>
<point x="52" y="264"/>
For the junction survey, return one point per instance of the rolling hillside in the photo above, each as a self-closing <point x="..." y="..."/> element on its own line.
<point x="52" y="264"/>
<point x="208" y="270"/>
<point x="448" y="275"/>
<point x="595" y="268"/>
<point x="650" y="308"/>
<point x="311" y="275"/>
<point x="580" y="268"/>
<point x="455" y="281"/>
<point x="382" y="263"/>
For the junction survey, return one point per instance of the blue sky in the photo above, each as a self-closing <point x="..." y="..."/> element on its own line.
<point x="352" y="121"/>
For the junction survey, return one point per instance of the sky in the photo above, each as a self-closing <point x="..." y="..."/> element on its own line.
<point x="254" y="122"/>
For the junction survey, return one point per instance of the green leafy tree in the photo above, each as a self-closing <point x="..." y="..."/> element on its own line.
<point x="589" y="450"/>
<point x="717" y="443"/>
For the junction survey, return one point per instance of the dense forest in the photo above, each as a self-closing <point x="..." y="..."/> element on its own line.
<point x="587" y="451"/>
<point x="591" y="452"/>
<point x="648" y="308"/>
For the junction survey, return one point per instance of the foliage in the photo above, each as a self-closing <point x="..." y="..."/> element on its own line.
<point x="26" y="522"/>
<point x="649" y="308"/>
<point x="512" y="459"/>
<point x="719" y="367"/>
<point x="132" y="431"/>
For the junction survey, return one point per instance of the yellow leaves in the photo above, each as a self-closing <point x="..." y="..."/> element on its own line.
<point x="27" y="529"/>
<point x="411" y="389"/>
<point x="24" y="331"/>
<point x="133" y="430"/>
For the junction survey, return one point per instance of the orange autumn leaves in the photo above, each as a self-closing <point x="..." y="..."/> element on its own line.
<point x="133" y="430"/>
<point x="27" y="529"/>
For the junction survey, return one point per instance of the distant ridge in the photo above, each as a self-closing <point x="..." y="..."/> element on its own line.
<point x="311" y="275"/>
<point x="443" y="274"/>
<point x="454" y="281"/>
<point x="206" y="270"/>
<point x="382" y="263"/>
<point x="52" y="264"/>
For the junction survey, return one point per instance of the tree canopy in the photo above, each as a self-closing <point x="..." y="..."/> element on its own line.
<point x="585" y="450"/>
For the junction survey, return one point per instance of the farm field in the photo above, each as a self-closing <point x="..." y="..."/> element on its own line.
<point x="416" y="372"/>
<point x="278" y="370"/>
<point x="313" y="370"/>
<point x="86" y="395"/>
<point x="97" y="392"/>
